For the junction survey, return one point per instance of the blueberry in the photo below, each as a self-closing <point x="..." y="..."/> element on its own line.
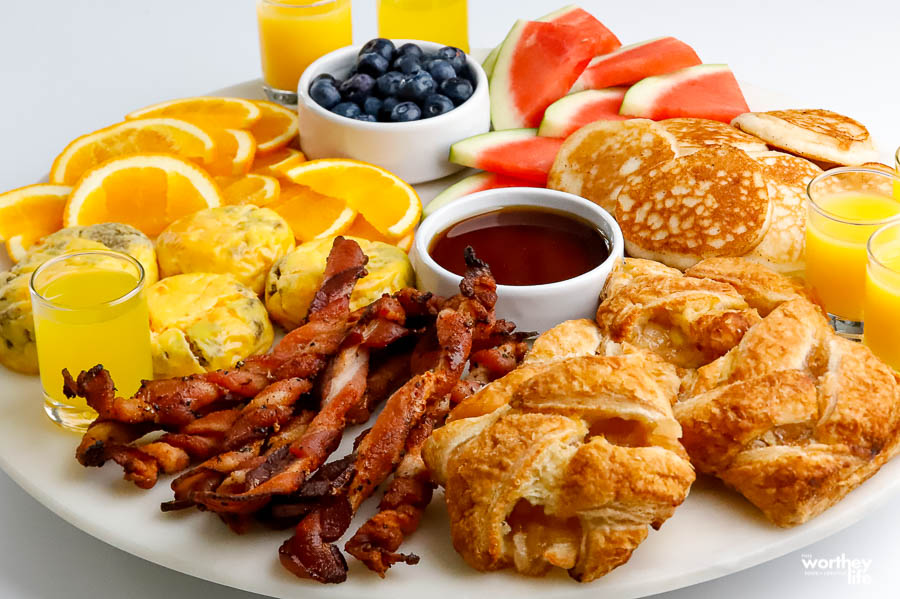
<point x="372" y="63"/>
<point x="366" y="117"/>
<point x="389" y="84"/>
<point x="407" y="64"/>
<point x="466" y="73"/>
<point x="457" y="89"/>
<point x="436" y="104"/>
<point x="357" y="88"/>
<point x="417" y="87"/>
<point x="405" y="111"/>
<point x="347" y="109"/>
<point x="324" y="93"/>
<point x="440" y="70"/>
<point x="387" y="105"/>
<point x="454" y="56"/>
<point x="371" y="105"/>
<point x="381" y="46"/>
<point x="324" y="77"/>
<point x="411" y="49"/>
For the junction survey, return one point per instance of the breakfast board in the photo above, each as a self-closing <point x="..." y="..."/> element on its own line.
<point x="714" y="534"/>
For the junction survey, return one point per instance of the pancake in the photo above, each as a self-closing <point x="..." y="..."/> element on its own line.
<point x="825" y="137"/>
<point x="694" y="134"/>
<point x="781" y="249"/>
<point x="714" y="202"/>
<point x="595" y="161"/>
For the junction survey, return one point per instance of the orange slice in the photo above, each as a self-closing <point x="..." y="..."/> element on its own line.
<point x="206" y="111"/>
<point x="276" y="129"/>
<point x="387" y="202"/>
<point x="277" y="163"/>
<point x="310" y="214"/>
<point x="29" y="213"/>
<point x="360" y="227"/>
<point x="235" y="151"/>
<point x="249" y="189"/>
<point x="146" y="191"/>
<point x="140" y="136"/>
<point x="406" y="243"/>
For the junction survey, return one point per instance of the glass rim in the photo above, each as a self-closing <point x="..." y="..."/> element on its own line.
<point x="871" y="255"/>
<point x="298" y="3"/>
<point x="843" y="170"/>
<point x="107" y="304"/>
<point x="897" y="160"/>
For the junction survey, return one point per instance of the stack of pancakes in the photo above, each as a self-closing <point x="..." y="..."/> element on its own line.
<point x="688" y="189"/>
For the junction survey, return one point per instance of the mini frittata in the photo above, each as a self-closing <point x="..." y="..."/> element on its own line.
<point x="242" y="241"/>
<point x="17" y="346"/>
<point x="204" y="321"/>
<point x="293" y="281"/>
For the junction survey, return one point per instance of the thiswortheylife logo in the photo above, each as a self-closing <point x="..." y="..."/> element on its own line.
<point x="854" y="570"/>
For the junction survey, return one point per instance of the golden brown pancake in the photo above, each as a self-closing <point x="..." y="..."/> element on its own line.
<point x="694" y="134"/>
<point x="820" y="135"/>
<point x="714" y="202"/>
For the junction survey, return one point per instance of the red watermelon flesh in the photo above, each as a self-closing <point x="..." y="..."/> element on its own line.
<point x="630" y="64"/>
<point x="472" y="184"/>
<point x="572" y="112"/>
<point x="706" y="91"/>
<point x="516" y="153"/>
<point x="537" y="65"/>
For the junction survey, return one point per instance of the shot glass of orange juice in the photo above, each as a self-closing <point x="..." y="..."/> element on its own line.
<point x="882" y="301"/>
<point x="442" y="21"/>
<point x="89" y="308"/>
<point x="294" y="33"/>
<point x="845" y="207"/>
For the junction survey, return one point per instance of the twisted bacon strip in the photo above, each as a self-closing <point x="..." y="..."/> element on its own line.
<point x="179" y="402"/>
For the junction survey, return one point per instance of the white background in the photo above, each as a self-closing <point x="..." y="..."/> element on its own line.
<point x="71" y="66"/>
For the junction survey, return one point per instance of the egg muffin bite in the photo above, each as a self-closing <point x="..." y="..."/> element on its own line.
<point x="17" y="346"/>
<point x="204" y="321"/>
<point x="293" y="281"/>
<point x="242" y="241"/>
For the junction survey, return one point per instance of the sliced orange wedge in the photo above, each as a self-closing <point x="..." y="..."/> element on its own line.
<point x="139" y="136"/>
<point x="387" y="202"/>
<point x="29" y="213"/>
<point x="276" y="129"/>
<point x="249" y="189"/>
<point x="406" y="243"/>
<point x="235" y="151"/>
<point x="206" y="111"/>
<point x="146" y="191"/>
<point x="277" y="163"/>
<point x="310" y="214"/>
<point x="363" y="229"/>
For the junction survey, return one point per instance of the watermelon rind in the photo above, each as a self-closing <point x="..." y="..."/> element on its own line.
<point x="491" y="59"/>
<point x="471" y="184"/>
<point x="579" y="83"/>
<point x="466" y="151"/>
<point x="558" y="116"/>
<point x="641" y="97"/>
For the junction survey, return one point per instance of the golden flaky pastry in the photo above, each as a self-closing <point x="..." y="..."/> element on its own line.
<point x="794" y="417"/>
<point x="571" y="472"/>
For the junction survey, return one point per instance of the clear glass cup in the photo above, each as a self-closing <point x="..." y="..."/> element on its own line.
<point x="845" y="206"/>
<point x="882" y="301"/>
<point x="294" y="33"/>
<point x="442" y="21"/>
<point x="89" y="308"/>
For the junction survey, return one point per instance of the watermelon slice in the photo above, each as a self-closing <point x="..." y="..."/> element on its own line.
<point x="630" y="64"/>
<point x="537" y="65"/>
<point x="572" y="112"/>
<point x="568" y="15"/>
<point x="471" y="184"/>
<point x="516" y="153"/>
<point x="706" y="91"/>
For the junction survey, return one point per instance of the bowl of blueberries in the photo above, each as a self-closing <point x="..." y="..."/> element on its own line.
<point x="398" y="104"/>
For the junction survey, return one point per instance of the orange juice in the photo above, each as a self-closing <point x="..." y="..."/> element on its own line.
<point x="89" y="312"/>
<point x="836" y="249"/>
<point x="294" y="33"/>
<point x="882" y="301"/>
<point x="442" y="21"/>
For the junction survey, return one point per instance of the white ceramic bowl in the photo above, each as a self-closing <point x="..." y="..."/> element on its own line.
<point x="531" y="307"/>
<point x="416" y="151"/>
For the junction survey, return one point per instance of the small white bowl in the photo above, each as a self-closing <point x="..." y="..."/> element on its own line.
<point x="531" y="307"/>
<point x="416" y="151"/>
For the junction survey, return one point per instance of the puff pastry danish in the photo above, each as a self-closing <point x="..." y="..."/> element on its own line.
<point x="571" y="472"/>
